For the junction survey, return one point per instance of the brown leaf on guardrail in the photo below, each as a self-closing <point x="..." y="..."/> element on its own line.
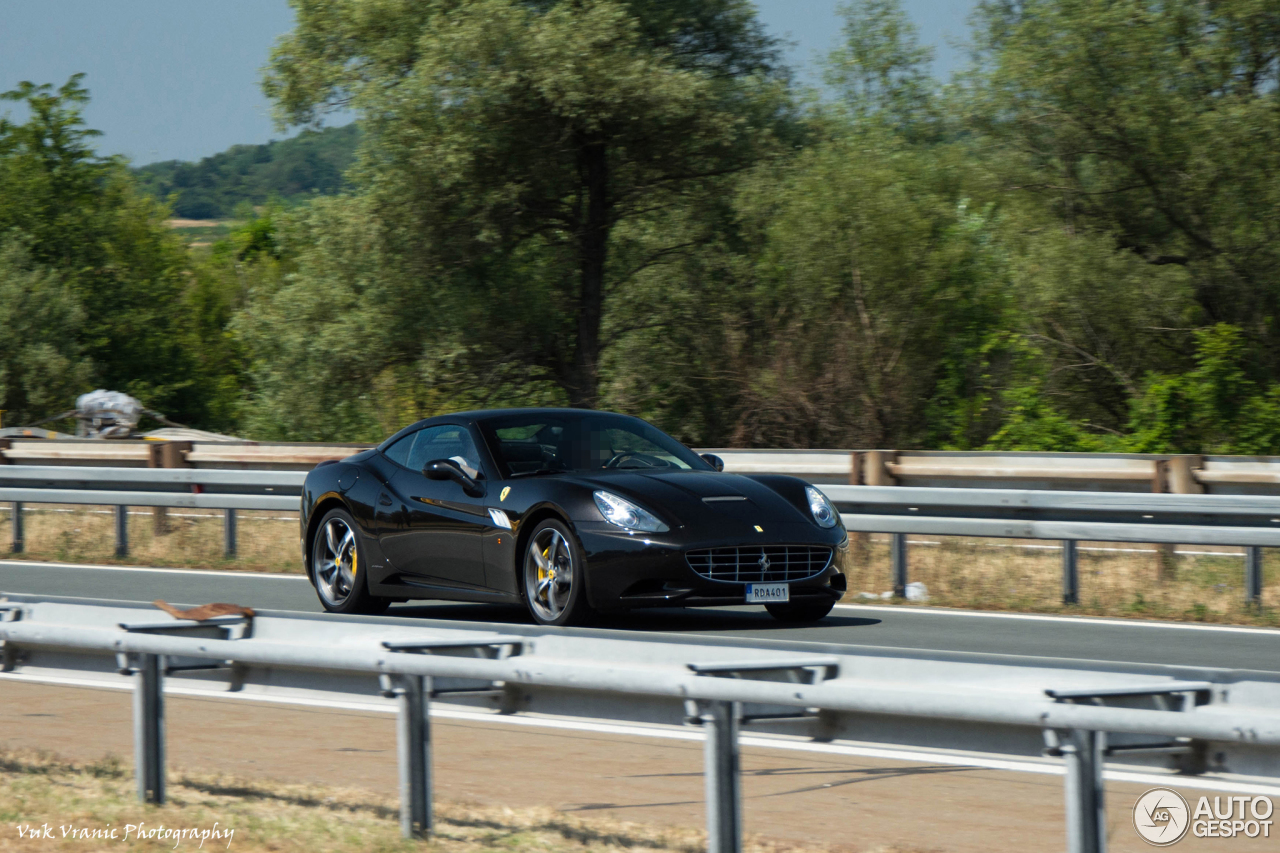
<point x="204" y="611"/>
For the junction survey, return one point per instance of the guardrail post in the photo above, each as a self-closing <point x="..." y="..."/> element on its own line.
<point x="229" y="534"/>
<point x="1070" y="572"/>
<point x="16" y="520"/>
<point x="723" y="770"/>
<point x="1086" y="805"/>
<point x="875" y="467"/>
<point x="859" y="541"/>
<point x="1162" y="481"/>
<point x="1253" y="575"/>
<point x="122" y="531"/>
<point x="898" y="553"/>
<point x="414" y="747"/>
<point x="166" y="454"/>
<point x="148" y="728"/>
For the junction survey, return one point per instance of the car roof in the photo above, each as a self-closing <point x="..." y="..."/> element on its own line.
<point x="483" y="414"/>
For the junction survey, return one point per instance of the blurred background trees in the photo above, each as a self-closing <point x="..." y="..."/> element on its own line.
<point x="629" y="204"/>
<point x="94" y="289"/>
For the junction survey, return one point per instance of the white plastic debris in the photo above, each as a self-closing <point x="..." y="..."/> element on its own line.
<point x="917" y="592"/>
<point x="914" y="592"/>
<point x="107" y="414"/>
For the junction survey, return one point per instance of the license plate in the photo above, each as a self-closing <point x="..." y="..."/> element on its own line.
<point x="766" y="593"/>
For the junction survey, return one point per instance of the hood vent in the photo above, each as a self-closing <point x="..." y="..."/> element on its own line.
<point x="723" y="498"/>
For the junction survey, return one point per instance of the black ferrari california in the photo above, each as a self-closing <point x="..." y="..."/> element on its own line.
<point x="568" y="512"/>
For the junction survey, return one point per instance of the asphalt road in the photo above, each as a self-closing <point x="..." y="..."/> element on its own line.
<point x="901" y="627"/>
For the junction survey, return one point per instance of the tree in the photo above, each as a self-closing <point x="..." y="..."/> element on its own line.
<point x="1156" y="124"/>
<point x="42" y="364"/>
<point x="875" y="289"/>
<point x="515" y="150"/>
<point x="881" y="73"/>
<point x="94" y="262"/>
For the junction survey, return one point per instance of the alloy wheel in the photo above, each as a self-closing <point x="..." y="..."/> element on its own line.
<point x="335" y="562"/>
<point x="549" y="574"/>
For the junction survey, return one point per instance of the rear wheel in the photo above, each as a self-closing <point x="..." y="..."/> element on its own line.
<point x="336" y="563"/>
<point x="799" y="611"/>
<point x="555" y="582"/>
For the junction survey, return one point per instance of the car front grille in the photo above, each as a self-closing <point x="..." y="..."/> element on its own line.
<point x="760" y="564"/>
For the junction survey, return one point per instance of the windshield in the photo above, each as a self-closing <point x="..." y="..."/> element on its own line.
<point x="540" y="442"/>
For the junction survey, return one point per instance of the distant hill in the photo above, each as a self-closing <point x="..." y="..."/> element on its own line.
<point x="311" y="162"/>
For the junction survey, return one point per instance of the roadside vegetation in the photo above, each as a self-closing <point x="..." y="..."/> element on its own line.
<point x="1070" y="245"/>
<point x="38" y="788"/>
<point x="287" y="171"/>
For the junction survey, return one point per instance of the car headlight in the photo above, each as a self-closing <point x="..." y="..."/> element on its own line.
<point x="824" y="512"/>
<point x="624" y="513"/>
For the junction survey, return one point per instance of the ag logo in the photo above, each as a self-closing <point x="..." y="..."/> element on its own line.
<point x="506" y="490"/>
<point x="1161" y="817"/>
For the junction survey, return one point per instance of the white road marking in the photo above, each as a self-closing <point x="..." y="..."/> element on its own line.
<point x="903" y="608"/>
<point x="1039" y="617"/>
<point x="978" y="762"/>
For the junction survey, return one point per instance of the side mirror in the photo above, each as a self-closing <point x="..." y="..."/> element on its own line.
<point x="447" y="469"/>
<point x="714" y="461"/>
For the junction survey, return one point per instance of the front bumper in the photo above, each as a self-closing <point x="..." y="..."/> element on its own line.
<point x="628" y="570"/>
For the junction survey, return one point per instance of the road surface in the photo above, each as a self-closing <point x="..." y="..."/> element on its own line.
<point x="897" y="627"/>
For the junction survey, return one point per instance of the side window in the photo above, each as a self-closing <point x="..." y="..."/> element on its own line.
<point x="444" y="442"/>
<point x="399" y="452"/>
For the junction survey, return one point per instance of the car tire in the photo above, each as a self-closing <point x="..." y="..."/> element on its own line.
<point x="337" y="557"/>
<point x="553" y="576"/>
<point x="799" y="611"/>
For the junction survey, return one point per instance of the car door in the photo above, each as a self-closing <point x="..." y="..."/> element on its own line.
<point x="432" y="532"/>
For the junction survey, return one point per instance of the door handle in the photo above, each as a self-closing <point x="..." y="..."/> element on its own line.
<point x="384" y="499"/>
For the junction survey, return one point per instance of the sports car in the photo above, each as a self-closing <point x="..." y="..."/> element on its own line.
<point x="568" y="512"/>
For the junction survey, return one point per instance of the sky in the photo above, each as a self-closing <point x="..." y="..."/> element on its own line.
<point x="179" y="79"/>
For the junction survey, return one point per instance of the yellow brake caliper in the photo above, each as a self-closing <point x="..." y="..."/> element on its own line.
<point x="543" y="574"/>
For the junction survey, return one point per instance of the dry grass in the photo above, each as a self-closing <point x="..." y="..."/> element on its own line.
<point x="38" y="788"/>
<point x="267" y="541"/>
<point x="1115" y="580"/>
<point x="995" y="574"/>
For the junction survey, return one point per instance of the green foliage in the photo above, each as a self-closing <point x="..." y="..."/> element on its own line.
<point x="875" y="285"/>
<point x="1213" y="408"/>
<point x="881" y="72"/>
<point x="533" y="143"/>
<point x="97" y="284"/>
<point x="621" y="203"/>
<point x="314" y="328"/>
<point x="1155" y="124"/>
<point x="42" y="365"/>
<point x="290" y="170"/>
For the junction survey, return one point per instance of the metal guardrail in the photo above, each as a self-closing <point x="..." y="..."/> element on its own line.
<point x="1082" y="712"/>
<point x="1248" y="521"/>
<point x="1187" y="474"/>
<point x="1101" y="472"/>
<point x="140" y="453"/>
<point x="160" y="488"/>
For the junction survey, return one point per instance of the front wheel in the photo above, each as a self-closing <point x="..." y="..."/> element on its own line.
<point x="555" y="580"/>
<point x="799" y="611"/>
<point x="337" y="561"/>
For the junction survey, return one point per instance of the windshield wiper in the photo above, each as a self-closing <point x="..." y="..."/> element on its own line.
<point x="539" y="471"/>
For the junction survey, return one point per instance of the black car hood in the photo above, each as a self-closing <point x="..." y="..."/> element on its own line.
<point x="697" y="497"/>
